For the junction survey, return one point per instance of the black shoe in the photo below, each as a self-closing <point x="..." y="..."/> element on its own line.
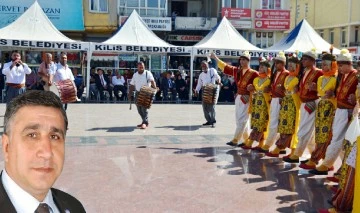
<point x="289" y="160"/>
<point x="231" y="143"/>
<point x="241" y="145"/>
<point x="206" y="124"/>
<point x="261" y="150"/>
<point x="213" y="125"/>
<point x="282" y="152"/>
<point x="316" y="172"/>
<point x="304" y="161"/>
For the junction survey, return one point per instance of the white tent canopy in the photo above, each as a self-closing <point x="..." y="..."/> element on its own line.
<point x="302" y="38"/>
<point x="33" y="29"/>
<point x="135" y="36"/>
<point x="225" y="40"/>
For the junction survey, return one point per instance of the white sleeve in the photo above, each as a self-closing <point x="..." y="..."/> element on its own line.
<point x="199" y="83"/>
<point x="27" y="69"/>
<point x="132" y="82"/>
<point x="53" y="69"/>
<point x="6" y="68"/>
<point x="71" y="75"/>
<point x="122" y="79"/>
<point x="150" y="76"/>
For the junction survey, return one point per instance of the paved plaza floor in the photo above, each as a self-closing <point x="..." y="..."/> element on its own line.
<point x="175" y="165"/>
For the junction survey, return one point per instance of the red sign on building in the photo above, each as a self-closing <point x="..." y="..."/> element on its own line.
<point x="272" y="24"/>
<point x="236" y="13"/>
<point x="272" y="14"/>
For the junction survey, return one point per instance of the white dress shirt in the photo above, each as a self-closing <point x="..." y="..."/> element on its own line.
<point x="118" y="81"/>
<point x="23" y="201"/>
<point x="205" y="78"/>
<point x="63" y="73"/>
<point x="143" y="79"/>
<point x="16" y="75"/>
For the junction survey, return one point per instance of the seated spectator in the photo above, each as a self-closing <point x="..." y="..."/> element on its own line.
<point x="168" y="88"/>
<point x="102" y="83"/>
<point x="226" y="89"/>
<point x="119" y="85"/>
<point x="93" y="87"/>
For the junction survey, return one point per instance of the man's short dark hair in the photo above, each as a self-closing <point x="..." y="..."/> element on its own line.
<point x="141" y="63"/>
<point x="33" y="98"/>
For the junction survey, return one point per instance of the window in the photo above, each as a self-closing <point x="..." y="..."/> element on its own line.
<point x="243" y="3"/>
<point x="331" y="37"/>
<point x="322" y="33"/>
<point x="343" y="36"/>
<point x="100" y="6"/>
<point x="271" y="4"/>
<point x="264" y="39"/>
<point x="357" y="34"/>
<point x="146" y="8"/>
<point x="226" y="3"/>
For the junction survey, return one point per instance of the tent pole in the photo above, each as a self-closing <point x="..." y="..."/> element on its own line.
<point x="88" y="72"/>
<point x="192" y="58"/>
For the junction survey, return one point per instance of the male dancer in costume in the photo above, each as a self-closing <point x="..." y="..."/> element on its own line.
<point x="243" y="76"/>
<point x="308" y="96"/>
<point x="277" y="92"/>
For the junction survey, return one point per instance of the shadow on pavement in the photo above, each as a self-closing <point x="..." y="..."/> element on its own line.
<point x="115" y="129"/>
<point x="182" y="128"/>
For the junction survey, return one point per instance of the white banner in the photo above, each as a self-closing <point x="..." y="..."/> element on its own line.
<point x="44" y="44"/>
<point x="194" y="23"/>
<point x="241" y="24"/>
<point x="154" y="23"/>
<point x="133" y="48"/>
<point x="232" y="53"/>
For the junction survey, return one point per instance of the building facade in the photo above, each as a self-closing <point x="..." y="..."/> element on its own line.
<point x="337" y="21"/>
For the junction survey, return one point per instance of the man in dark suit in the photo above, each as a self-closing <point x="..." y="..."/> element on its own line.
<point x="168" y="86"/>
<point x="33" y="145"/>
<point x="103" y="84"/>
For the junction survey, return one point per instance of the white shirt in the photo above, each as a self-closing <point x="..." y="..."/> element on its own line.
<point x="23" y="201"/>
<point x="63" y="73"/>
<point x="16" y="75"/>
<point x="143" y="79"/>
<point x="209" y="77"/>
<point x="118" y="81"/>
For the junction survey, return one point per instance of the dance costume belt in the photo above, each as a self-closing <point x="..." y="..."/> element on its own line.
<point x="17" y="86"/>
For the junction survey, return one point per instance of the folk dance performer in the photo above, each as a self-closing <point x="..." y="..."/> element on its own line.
<point x="308" y="96"/>
<point x="259" y="108"/>
<point x="277" y="93"/>
<point x="346" y="101"/>
<point x="289" y="110"/>
<point x="243" y="76"/>
<point x="141" y="78"/>
<point x="15" y="72"/>
<point x="47" y="70"/>
<point x="208" y="75"/>
<point x="325" y="110"/>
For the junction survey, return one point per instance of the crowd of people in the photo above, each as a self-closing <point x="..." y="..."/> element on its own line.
<point x="298" y="106"/>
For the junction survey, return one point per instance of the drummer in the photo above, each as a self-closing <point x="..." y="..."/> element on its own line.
<point x="207" y="76"/>
<point x="141" y="78"/>
<point x="63" y="72"/>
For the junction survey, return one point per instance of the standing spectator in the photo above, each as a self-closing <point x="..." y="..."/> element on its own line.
<point x="46" y="71"/>
<point x="226" y="89"/>
<point x="181" y="87"/>
<point x="111" y="86"/>
<point x="119" y="85"/>
<point x="15" y="72"/>
<point x="102" y="83"/>
<point x="93" y="87"/>
<point x="79" y="82"/>
<point x="167" y="86"/>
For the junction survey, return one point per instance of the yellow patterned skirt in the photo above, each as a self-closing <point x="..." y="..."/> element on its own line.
<point x="323" y="121"/>
<point x="259" y="113"/>
<point x="287" y="116"/>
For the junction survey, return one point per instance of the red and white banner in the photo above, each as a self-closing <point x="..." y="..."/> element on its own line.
<point x="272" y="24"/>
<point x="236" y="13"/>
<point x="272" y="14"/>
